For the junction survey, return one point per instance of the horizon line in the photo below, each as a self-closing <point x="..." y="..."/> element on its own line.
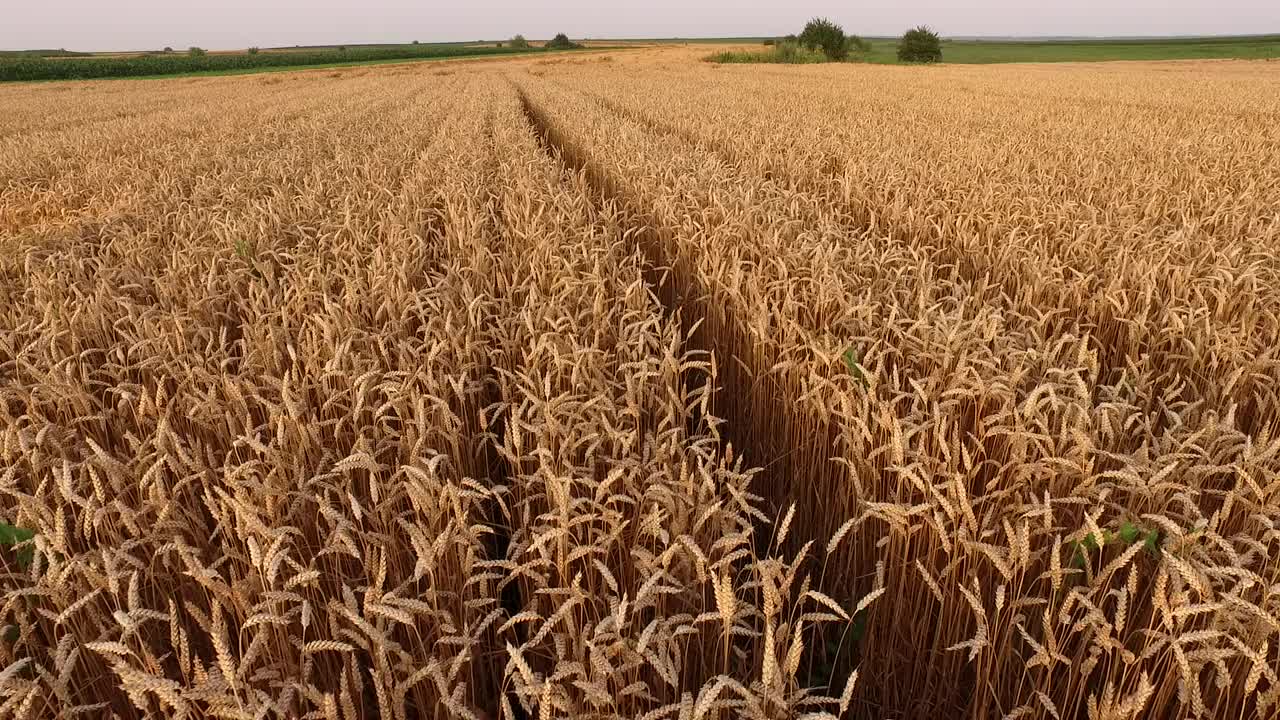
<point x="693" y="38"/>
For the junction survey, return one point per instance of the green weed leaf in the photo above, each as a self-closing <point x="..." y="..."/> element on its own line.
<point x="1130" y="533"/>
<point x="12" y="535"/>
<point x="852" y="360"/>
<point x="1152" y="543"/>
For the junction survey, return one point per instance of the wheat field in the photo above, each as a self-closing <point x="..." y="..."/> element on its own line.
<point x="628" y="386"/>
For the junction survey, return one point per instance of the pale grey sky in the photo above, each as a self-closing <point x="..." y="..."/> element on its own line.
<point x="228" y="24"/>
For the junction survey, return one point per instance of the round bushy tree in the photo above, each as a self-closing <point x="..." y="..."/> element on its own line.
<point x="561" y="42"/>
<point x="920" y="45"/>
<point x="822" y="34"/>
<point x="519" y="42"/>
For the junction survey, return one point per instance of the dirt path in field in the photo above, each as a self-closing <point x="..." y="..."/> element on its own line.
<point x="737" y="376"/>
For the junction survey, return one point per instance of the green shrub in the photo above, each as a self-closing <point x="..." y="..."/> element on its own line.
<point x="793" y="54"/>
<point x="734" y="57"/>
<point x="788" y="53"/>
<point x="920" y="45"/>
<point x="561" y="42"/>
<point x="253" y="51"/>
<point x="194" y="51"/>
<point x="822" y="34"/>
<point x="519" y="42"/>
<point x="168" y="49"/>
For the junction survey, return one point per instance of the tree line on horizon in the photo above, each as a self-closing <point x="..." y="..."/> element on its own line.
<point x="825" y="40"/>
<point x="198" y="60"/>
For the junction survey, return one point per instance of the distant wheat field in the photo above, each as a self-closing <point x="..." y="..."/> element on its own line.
<point x="631" y="386"/>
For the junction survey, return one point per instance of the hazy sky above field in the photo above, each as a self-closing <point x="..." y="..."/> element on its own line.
<point x="228" y="24"/>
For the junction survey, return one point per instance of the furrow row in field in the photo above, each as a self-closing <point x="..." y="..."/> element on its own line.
<point x="634" y="543"/>
<point x="942" y="469"/>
